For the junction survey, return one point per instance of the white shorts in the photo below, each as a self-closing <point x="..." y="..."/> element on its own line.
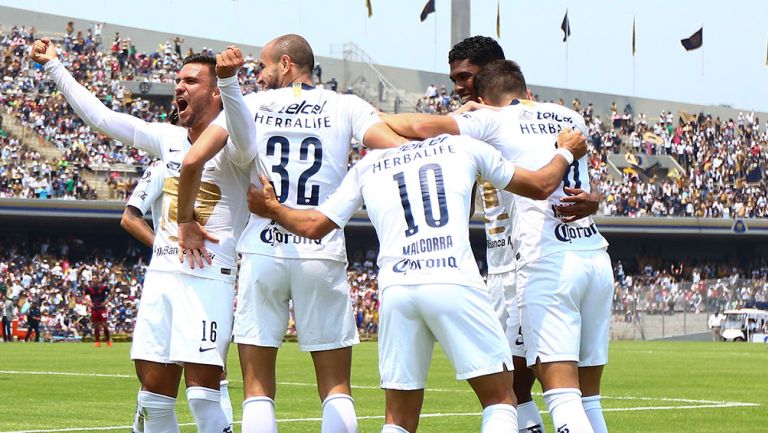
<point x="460" y="318"/>
<point x="504" y="299"/>
<point x="319" y="290"/>
<point x="565" y="307"/>
<point x="183" y="319"/>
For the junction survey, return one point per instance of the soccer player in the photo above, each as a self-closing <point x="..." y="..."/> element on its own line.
<point x="98" y="297"/>
<point x="418" y="198"/>
<point x="564" y="274"/>
<point x="147" y="195"/>
<point x="185" y="317"/>
<point x="465" y="59"/>
<point x="303" y="134"/>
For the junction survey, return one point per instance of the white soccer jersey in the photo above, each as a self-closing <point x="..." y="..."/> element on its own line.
<point x="220" y="206"/>
<point x="498" y="210"/>
<point x="418" y="199"/>
<point x="221" y="201"/>
<point x="525" y="132"/>
<point x="148" y="194"/>
<point x="303" y="137"/>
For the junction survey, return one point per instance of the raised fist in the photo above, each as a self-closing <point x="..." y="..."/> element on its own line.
<point x="43" y="51"/>
<point x="228" y="62"/>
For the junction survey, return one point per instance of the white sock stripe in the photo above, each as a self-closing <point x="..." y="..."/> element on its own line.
<point x="202" y="393"/>
<point x="335" y="396"/>
<point x="250" y="400"/>
<point x="153" y="400"/>
<point x="591" y="399"/>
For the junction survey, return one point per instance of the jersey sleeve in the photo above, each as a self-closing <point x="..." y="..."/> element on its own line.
<point x="340" y="206"/>
<point x="491" y="166"/>
<point x="119" y="126"/>
<point x="582" y="172"/>
<point x="482" y="124"/>
<point x="149" y="189"/>
<point x="361" y="115"/>
<point x="237" y="119"/>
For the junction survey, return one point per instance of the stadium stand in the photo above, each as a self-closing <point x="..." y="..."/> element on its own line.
<point x="679" y="165"/>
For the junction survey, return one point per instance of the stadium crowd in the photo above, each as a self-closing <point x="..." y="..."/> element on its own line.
<point x="725" y="160"/>
<point x="53" y="273"/>
<point x="25" y="174"/>
<point x="661" y="287"/>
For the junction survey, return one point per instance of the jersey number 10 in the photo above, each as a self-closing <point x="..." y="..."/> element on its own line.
<point x="426" y="198"/>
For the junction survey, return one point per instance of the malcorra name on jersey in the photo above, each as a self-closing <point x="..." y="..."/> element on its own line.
<point x="553" y="125"/>
<point x="285" y="117"/>
<point x="415" y="151"/>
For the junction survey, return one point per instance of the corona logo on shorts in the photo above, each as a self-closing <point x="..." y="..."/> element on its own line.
<point x="566" y="233"/>
<point x="273" y="236"/>
<point x="405" y="265"/>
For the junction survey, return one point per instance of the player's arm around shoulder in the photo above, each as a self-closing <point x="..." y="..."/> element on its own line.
<point x="421" y="126"/>
<point x="580" y="203"/>
<point x="309" y="223"/>
<point x="540" y="184"/>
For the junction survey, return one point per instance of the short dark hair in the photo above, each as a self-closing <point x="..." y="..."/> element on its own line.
<point x="203" y="59"/>
<point x="479" y="50"/>
<point x="297" y="48"/>
<point x="498" y="78"/>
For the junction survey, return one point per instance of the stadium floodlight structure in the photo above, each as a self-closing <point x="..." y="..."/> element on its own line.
<point x="460" y="17"/>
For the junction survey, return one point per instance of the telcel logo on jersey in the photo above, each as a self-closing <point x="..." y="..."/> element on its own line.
<point x="405" y="265"/>
<point x="553" y="116"/>
<point x="303" y="108"/>
<point x="566" y="233"/>
<point x="272" y="235"/>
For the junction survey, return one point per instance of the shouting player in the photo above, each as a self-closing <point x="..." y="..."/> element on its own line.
<point x="303" y="135"/>
<point x="184" y="321"/>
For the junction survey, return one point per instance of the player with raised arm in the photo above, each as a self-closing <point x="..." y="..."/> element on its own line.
<point x="418" y="197"/>
<point x="302" y="135"/>
<point x="564" y="275"/>
<point x="184" y="321"/>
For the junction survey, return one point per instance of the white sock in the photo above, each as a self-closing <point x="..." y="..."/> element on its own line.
<point x="159" y="413"/>
<point x="499" y="418"/>
<point x="566" y="410"/>
<point x="204" y="403"/>
<point x="339" y="414"/>
<point x="392" y="428"/>
<point x="138" y="416"/>
<point x="259" y="415"/>
<point x="529" y="418"/>
<point x="594" y="411"/>
<point x="226" y="403"/>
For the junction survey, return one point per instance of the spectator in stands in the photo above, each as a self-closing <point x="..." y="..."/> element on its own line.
<point x="33" y="321"/>
<point x="8" y="315"/>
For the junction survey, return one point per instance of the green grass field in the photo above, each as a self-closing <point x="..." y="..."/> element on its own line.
<point x="648" y="387"/>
